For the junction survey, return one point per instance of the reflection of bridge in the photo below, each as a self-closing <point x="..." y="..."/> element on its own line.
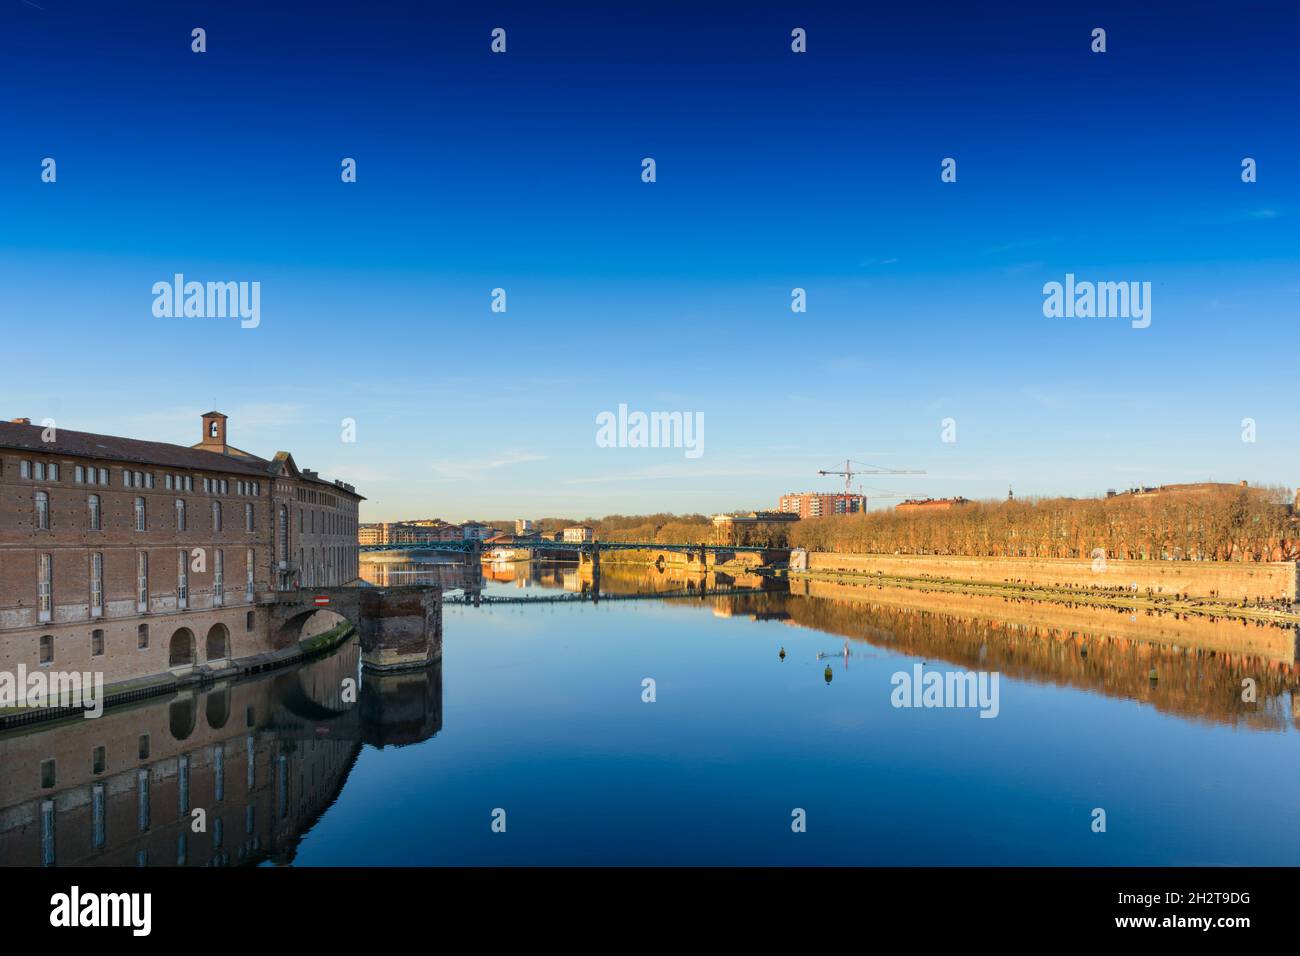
<point x="475" y="598"/>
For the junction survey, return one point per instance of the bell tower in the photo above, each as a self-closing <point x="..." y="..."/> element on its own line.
<point x="214" y="433"/>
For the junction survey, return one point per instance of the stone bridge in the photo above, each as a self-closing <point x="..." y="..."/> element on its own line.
<point x="400" y="628"/>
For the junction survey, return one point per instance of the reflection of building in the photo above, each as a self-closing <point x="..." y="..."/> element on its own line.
<point x="264" y="758"/>
<point x="807" y="504"/>
<point x="931" y="504"/>
<point x="129" y="557"/>
<point x="578" y="535"/>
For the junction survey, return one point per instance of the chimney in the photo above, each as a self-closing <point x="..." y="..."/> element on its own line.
<point x="214" y="433"/>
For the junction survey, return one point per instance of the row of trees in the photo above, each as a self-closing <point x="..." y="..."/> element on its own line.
<point x="1217" y="524"/>
<point x="1223" y="523"/>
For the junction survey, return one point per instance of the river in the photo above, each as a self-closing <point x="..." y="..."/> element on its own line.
<point x="672" y="730"/>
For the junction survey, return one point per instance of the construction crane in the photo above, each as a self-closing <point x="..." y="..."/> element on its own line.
<point x="848" y="471"/>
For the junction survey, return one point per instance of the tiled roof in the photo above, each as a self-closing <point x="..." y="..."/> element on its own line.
<point x="88" y="445"/>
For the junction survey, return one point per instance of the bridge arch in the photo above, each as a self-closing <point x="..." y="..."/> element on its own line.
<point x="309" y="623"/>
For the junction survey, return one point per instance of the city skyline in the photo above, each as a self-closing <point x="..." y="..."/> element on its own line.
<point x="817" y="171"/>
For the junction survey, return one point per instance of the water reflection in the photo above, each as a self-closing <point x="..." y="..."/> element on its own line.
<point x="262" y="758"/>
<point x="550" y="714"/>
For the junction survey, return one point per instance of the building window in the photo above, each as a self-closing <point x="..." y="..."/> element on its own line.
<point x="24" y="469"/>
<point x="45" y="588"/>
<point x="249" y="620"/>
<point x="79" y="474"/>
<point x="142" y="582"/>
<point x="54" y="471"/>
<point x="103" y="476"/>
<point x="92" y="504"/>
<point x="97" y="760"/>
<point x="97" y="643"/>
<point x="180" y="514"/>
<point x="40" y="471"/>
<point x="219" y="578"/>
<point x="139" y="514"/>
<point x="144" y="747"/>
<point x="47" y="648"/>
<point x="225" y="486"/>
<point x="42" y="511"/>
<point x="248" y="575"/>
<point x="182" y="579"/>
<point x="216" y="516"/>
<point x="47" y="773"/>
<point x="189" y="482"/>
<point x="148" y="480"/>
<point x="169" y="482"/>
<point x="142" y="637"/>
<point x="248" y="517"/>
<point x="96" y="584"/>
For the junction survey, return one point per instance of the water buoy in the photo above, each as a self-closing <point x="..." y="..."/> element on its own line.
<point x="828" y="673"/>
<point x="782" y="654"/>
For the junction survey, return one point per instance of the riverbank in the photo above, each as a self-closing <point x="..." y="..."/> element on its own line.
<point x="971" y="576"/>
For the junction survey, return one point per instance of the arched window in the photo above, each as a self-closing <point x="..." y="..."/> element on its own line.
<point x="92" y="505"/>
<point x="42" y="511"/>
<point x="47" y="648"/>
<point x="248" y="517"/>
<point x="139" y="514"/>
<point x="216" y="516"/>
<point x="180" y="514"/>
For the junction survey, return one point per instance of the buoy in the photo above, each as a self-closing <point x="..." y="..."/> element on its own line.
<point x="828" y="675"/>
<point x="782" y="654"/>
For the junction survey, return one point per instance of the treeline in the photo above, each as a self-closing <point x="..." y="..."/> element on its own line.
<point x="1207" y="524"/>
<point x="1227" y="524"/>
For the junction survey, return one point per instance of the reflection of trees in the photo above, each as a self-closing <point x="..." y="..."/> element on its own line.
<point x="1194" y="679"/>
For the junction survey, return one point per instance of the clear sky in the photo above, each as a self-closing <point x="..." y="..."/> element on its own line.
<point x="775" y="170"/>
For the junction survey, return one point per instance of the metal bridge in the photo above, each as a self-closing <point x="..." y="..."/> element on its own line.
<point x="585" y="547"/>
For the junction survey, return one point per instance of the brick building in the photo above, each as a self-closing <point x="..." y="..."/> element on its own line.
<point x="131" y="558"/>
<point x="808" y="504"/>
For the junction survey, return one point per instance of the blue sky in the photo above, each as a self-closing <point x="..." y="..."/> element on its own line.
<point x="775" y="170"/>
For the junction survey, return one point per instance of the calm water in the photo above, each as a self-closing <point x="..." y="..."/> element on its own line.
<point x="538" y="710"/>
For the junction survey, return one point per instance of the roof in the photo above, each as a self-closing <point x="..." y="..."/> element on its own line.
<point x="89" y="445"/>
<point x="22" y="437"/>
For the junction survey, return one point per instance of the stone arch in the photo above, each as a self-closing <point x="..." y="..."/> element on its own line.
<point x="180" y="649"/>
<point x="217" y="645"/>
<point x="308" y="624"/>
